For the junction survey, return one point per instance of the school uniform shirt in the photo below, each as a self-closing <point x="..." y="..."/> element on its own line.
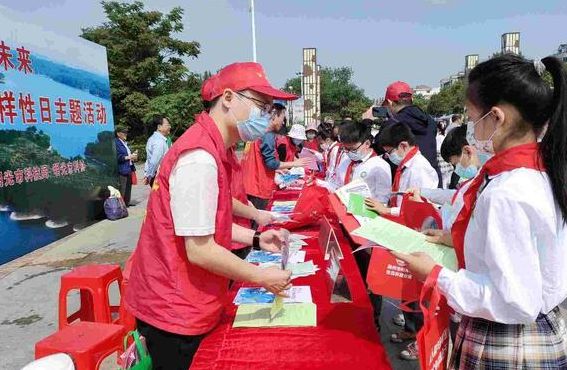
<point x="336" y="157"/>
<point x="515" y="252"/>
<point x="417" y="173"/>
<point x="376" y="174"/>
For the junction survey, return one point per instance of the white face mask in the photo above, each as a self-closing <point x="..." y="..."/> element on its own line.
<point x="482" y="146"/>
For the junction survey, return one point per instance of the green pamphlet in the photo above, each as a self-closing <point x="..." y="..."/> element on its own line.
<point x="400" y="238"/>
<point x="357" y="207"/>
<point x="292" y="315"/>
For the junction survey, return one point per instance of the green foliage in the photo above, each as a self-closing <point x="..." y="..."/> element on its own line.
<point x="340" y="96"/>
<point x="449" y="100"/>
<point x="144" y="59"/>
<point x="420" y="101"/>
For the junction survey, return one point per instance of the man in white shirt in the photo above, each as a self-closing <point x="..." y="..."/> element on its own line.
<point x="156" y="147"/>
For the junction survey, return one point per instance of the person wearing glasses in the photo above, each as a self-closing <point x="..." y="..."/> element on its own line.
<point x="182" y="264"/>
<point x="413" y="171"/>
<point x="361" y="162"/>
<point x="261" y="162"/>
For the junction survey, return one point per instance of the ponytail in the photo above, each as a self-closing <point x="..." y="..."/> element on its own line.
<point x="553" y="147"/>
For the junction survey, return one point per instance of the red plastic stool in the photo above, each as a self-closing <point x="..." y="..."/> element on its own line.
<point x="93" y="282"/>
<point x="88" y="343"/>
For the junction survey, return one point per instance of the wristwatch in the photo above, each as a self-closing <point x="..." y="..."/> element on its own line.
<point x="256" y="241"/>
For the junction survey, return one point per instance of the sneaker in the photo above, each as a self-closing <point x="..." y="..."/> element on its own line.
<point x="399" y="319"/>
<point x="402" y="336"/>
<point x="410" y="353"/>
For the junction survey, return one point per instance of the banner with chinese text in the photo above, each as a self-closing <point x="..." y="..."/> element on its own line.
<point x="56" y="135"/>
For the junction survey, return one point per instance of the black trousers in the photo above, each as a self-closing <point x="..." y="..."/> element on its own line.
<point x="126" y="188"/>
<point x="169" y="351"/>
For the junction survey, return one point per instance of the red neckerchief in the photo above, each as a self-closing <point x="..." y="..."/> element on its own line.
<point x="521" y="156"/>
<point x="352" y="165"/>
<point x="398" y="175"/>
<point x="459" y="187"/>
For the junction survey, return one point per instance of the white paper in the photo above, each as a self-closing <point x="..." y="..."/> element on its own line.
<point x="357" y="186"/>
<point x="299" y="294"/>
<point x="296" y="257"/>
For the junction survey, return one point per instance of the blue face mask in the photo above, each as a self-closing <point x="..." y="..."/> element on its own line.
<point x="483" y="157"/>
<point x="255" y="126"/>
<point x="466" y="172"/>
<point x="395" y="158"/>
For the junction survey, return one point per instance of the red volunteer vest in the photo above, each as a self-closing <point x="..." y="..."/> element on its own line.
<point x="165" y="289"/>
<point x="290" y="149"/>
<point x="521" y="156"/>
<point x="258" y="179"/>
<point x="238" y="191"/>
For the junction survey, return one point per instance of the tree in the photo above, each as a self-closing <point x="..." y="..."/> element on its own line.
<point x="420" y="101"/>
<point x="340" y="97"/>
<point x="450" y="99"/>
<point x="144" y="59"/>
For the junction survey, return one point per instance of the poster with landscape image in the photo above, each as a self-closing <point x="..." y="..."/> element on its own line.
<point x="57" y="152"/>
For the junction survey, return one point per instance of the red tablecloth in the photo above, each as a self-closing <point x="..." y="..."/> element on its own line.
<point x="345" y="336"/>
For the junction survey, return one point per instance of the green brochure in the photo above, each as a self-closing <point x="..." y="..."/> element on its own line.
<point x="400" y="238"/>
<point x="357" y="207"/>
<point x="292" y="315"/>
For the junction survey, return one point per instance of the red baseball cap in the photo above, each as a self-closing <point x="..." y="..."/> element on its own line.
<point x="241" y="76"/>
<point x="394" y="90"/>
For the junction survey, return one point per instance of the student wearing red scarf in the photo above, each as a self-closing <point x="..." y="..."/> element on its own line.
<point x="510" y="236"/>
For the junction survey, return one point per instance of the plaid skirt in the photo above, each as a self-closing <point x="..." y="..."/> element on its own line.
<point x="483" y="344"/>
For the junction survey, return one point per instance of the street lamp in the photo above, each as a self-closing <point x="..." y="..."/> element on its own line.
<point x="253" y="30"/>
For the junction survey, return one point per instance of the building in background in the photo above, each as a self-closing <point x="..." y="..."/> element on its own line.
<point x="446" y="82"/>
<point x="471" y="61"/>
<point x="426" y="91"/>
<point x="562" y="53"/>
<point x="311" y="87"/>
<point x="510" y="43"/>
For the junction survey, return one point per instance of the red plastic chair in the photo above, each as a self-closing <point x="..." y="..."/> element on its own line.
<point x="93" y="282"/>
<point x="88" y="343"/>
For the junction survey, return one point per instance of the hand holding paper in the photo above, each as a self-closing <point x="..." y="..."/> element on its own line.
<point x="399" y="238"/>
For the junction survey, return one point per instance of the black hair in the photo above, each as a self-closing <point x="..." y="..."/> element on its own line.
<point x="405" y="99"/>
<point x="454" y="142"/>
<point x="156" y="121"/>
<point x="351" y="132"/>
<point x="456" y="117"/>
<point x="325" y="132"/>
<point x="393" y="135"/>
<point x="441" y="127"/>
<point x="514" y="80"/>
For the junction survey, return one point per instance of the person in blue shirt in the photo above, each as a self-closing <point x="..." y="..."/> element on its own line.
<point x="156" y="147"/>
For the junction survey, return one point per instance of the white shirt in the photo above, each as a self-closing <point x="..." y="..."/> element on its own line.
<point x="515" y="252"/>
<point x="377" y="174"/>
<point x="127" y="149"/>
<point x="194" y="191"/>
<point x="418" y="173"/>
<point x="331" y="169"/>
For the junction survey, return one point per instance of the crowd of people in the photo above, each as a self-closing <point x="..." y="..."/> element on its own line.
<point x="500" y="179"/>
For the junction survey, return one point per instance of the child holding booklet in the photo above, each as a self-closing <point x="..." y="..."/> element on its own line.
<point x="510" y="237"/>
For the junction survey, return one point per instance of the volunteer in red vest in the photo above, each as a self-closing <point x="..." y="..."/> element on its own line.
<point x="510" y="237"/>
<point x="292" y="143"/>
<point x="361" y="162"/>
<point x="311" y="134"/>
<point x="260" y="163"/>
<point x="182" y="264"/>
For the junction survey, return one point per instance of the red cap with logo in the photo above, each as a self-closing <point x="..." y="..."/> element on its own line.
<point x="241" y="76"/>
<point x="394" y="90"/>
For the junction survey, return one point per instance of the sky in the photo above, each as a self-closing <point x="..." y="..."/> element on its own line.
<point x="417" y="41"/>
